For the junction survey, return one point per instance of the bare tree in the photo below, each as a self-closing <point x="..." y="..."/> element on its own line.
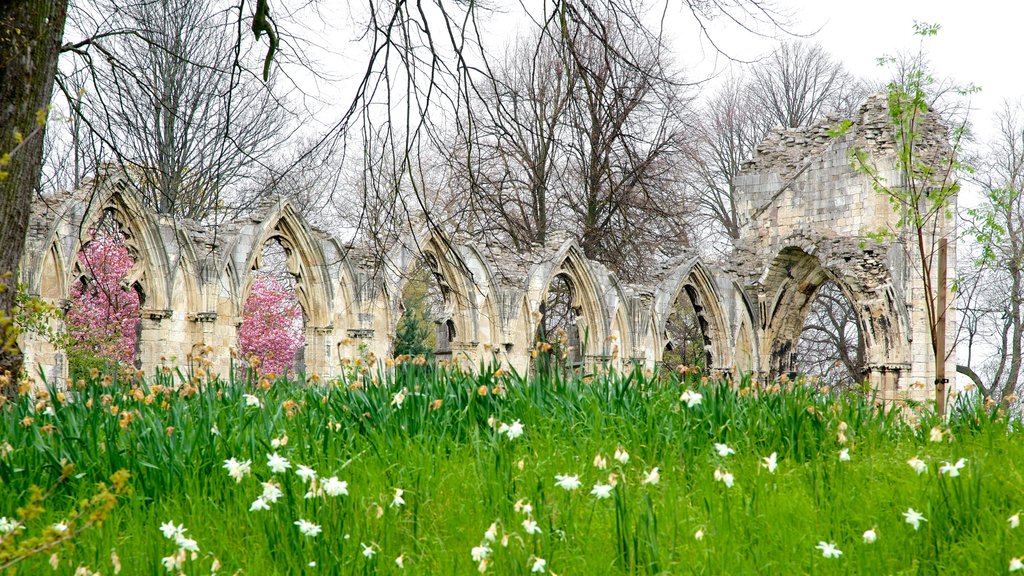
<point x="798" y="84"/>
<point x="169" y="101"/>
<point x="995" y="309"/>
<point x="831" y="347"/>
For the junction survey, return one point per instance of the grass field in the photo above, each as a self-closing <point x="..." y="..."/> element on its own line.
<point x="435" y="471"/>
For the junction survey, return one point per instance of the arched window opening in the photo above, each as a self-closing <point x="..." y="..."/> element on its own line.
<point x="831" y="347"/>
<point x="272" y="334"/>
<point x="685" y="333"/>
<point x="425" y="327"/>
<point x="558" y="332"/>
<point x="103" y="313"/>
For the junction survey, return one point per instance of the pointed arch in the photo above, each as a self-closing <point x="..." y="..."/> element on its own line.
<point x="694" y="280"/>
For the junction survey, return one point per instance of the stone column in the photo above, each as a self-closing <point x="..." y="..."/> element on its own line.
<point x="152" y="344"/>
<point x="318" y="351"/>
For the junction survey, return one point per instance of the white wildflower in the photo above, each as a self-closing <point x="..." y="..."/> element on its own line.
<point x="870" y="536"/>
<point x="398" y="501"/>
<point x="530" y="526"/>
<point x="652" y="477"/>
<point x="914" y="518"/>
<point x="952" y="469"/>
<point x="567" y="482"/>
<point x="277" y="463"/>
<point x="918" y="465"/>
<point x="305" y="473"/>
<point x="723" y="449"/>
<point x="602" y="491"/>
<point x="770" y="462"/>
<point x="334" y="487"/>
<point x="308" y="528"/>
<point x="238" y="469"/>
<point x="829" y="550"/>
<point x="691" y="398"/>
<point x="621" y="455"/>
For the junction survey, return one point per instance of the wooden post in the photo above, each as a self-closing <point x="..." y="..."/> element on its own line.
<point x="940" y="333"/>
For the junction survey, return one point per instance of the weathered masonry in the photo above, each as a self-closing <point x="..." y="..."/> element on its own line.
<point x="807" y="215"/>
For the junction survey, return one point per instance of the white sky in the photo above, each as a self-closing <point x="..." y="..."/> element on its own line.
<point x="978" y="43"/>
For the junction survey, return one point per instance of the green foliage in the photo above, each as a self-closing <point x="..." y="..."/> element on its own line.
<point x="413" y="333"/>
<point x="442" y="444"/>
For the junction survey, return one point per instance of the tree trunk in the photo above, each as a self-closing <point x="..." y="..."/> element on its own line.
<point x="30" y="38"/>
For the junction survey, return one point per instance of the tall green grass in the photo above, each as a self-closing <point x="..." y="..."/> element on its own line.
<point x="434" y="433"/>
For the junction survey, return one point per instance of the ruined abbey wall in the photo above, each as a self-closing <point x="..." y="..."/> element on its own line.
<point x="808" y="219"/>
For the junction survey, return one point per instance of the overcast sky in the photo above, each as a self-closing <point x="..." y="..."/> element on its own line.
<point x="978" y="43"/>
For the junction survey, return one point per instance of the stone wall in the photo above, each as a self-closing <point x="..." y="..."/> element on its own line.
<point x="808" y="216"/>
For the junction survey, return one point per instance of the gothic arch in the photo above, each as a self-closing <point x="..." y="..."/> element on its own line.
<point x="593" y="318"/>
<point x="790" y="284"/>
<point x="694" y="280"/>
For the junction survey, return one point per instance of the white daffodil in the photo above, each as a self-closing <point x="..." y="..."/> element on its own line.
<point x="171" y="531"/>
<point x="523" y="507"/>
<point x="844" y="455"/>
<point x="952" y="469"/>
<point x="567" y="482"/>
<point x="271" y="492"/>
<point x="512" y="431"/>
<point x="691" y="398"/>
<point x="334" y="487"/>
<point x="652" y="477"/>
<point x="1016" y="564"/>
<point x="621" y="455"/>
<point x="368" y="551"/>
<point x="278" y="442"/>
<point x="251" y="400"/>
<point x="699" y="534"/>
<point x="530" y="526"/>
<point x="259" y="504"/>
<point x="398" y="501"/>
<point x="724" y="477"/>
<point x="480" y="552"/>
<point x="770" y="462"/>
<point x="492" y="532"/>
<point x="936" y="434"/>
<point x="914" y="518"/>
<point x="601" y="491"/>
<point x="829" y="550"/>
<point x="398" y="399"/>
<point x="1014" y="520"/>
<point x="277" y="463"/>
<point x="918" y="465"/>
<point x="187" y="544"/>
<point x="870" y="536"/>
<point x="60" y="527"/>
<point x="308" y="528"/>
<point x="238" y="469"/>
<point x="599" y="462"/>
<point x="400" y="561"/>
<point x="723" y="449"/>
<point x="539" y="564"/>
<point x="7" y="525"/>
<point x="305" y="473"/>
<point x="172" y="563"/>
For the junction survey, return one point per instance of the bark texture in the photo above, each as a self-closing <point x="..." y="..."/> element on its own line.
<point x="30" y="41"/>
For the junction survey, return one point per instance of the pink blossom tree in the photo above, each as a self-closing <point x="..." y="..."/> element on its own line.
<point x="104" y="313"/>
<point x="271" y="324"/>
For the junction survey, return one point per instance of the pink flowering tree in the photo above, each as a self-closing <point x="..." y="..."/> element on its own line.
<point x="271" y="325"/>
<point x="104" y="313"/>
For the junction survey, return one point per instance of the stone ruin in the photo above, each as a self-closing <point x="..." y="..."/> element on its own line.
<point x="806" y="213"/>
